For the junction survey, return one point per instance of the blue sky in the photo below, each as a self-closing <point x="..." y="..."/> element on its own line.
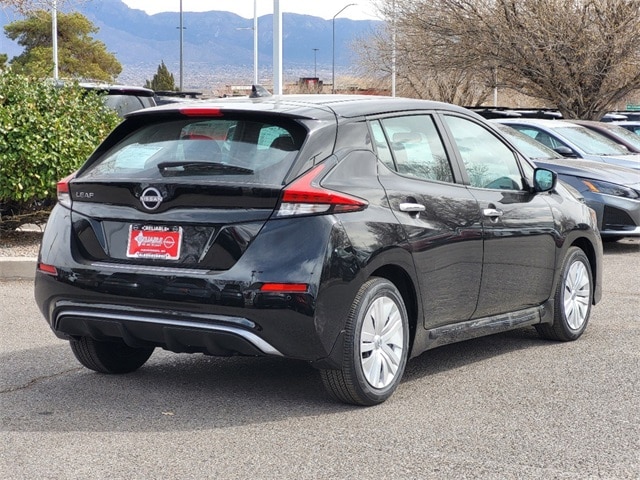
<point x="363" y="10"/>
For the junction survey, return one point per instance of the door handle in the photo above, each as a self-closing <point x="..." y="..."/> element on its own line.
<point x="493" y="213"/>
<point x="412" y="207"/>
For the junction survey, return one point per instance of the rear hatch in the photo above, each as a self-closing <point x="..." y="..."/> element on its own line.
<point x="182" y="190"/>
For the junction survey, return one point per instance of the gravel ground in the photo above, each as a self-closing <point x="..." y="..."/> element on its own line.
<point x="20" y="244"/>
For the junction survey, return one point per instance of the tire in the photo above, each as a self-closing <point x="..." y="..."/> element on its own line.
<point x="109" y="357"/>
<point x="573" y="299"/>
<point x="375" y="346"/>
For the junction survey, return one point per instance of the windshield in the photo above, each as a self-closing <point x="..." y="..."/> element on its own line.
<point x="627" y="135"/>
<point x="632" y="127"/>
<point x="527" y="145"/>
<point x="238" y="150"/>
<point x="591" y="142"/>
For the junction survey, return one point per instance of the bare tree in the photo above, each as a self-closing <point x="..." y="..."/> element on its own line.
<point x="580" y="56"/>
<point x="417" y="74"/>
<point x="26" y="6"/>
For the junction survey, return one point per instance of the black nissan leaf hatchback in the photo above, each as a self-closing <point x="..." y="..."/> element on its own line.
<point x="350" y="232"/>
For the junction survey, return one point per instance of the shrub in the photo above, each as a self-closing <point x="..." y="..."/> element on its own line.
<point x="46" y="133"/>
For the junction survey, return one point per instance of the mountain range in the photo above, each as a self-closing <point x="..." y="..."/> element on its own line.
<point x="218" y="46"/>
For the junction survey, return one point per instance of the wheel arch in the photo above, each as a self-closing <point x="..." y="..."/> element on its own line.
<point x="406" y="286"/>
<point x="590" y="251"/>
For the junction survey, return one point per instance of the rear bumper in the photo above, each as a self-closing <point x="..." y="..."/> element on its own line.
<point x="181" y="332"/>
<point x="264" y="325"/>
<point x="212" y="312"/>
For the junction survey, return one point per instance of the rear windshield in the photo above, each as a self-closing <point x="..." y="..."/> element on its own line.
<point x="232" y="150"/>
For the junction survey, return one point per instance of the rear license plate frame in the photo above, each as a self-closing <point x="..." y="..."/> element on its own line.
<point x="161" y="242"/>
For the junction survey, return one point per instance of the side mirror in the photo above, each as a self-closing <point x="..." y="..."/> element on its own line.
<point x="544" y="180"/>
<point x="566" y="152"/>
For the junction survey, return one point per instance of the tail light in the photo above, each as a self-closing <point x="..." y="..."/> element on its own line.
<point x="305" y="196"/>
<point x="62" y="188"/>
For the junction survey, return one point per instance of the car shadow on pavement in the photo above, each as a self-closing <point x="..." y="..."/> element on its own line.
<point x="193" y="392"/>
<point x="622" y="247"/>
<point x="171" y="392"/>
<point x="461" y="354"/>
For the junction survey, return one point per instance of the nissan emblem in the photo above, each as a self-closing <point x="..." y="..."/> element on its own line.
<point x="151" y="198"/>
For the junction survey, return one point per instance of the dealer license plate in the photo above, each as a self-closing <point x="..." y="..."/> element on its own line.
<point x="154" y="241"/>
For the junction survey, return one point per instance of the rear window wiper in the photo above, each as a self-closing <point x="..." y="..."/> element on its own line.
<point x="177" y="168"/>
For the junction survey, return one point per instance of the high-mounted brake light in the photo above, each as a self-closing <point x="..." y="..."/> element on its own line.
<point x="201" y="112"/>
<point x="305" y="197"/>
<point x="62" y="188"/>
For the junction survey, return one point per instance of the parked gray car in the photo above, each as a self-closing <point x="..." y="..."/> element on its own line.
<point x="631" y="125"/>
<point x="574" y="141"/>
<point x="617" y="133"/>
<point x="612" y="191"/>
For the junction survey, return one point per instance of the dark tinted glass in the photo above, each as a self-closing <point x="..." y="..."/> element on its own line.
<point x="416" y="147"/>
<point x="228" y="149"/>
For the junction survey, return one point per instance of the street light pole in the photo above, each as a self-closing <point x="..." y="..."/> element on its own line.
<point x="277" y="48"/>
<point x="315" y="62"/>
<point x="394" y="52"/>
<point x="181" y="47"/>
<point x="54" y="38"/>
<point x="333" y="47"/>
<point x="255" y="42"/>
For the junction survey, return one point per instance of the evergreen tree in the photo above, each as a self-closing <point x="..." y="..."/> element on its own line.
<point x="79" y="55"/>
<point x="163" y="80"/>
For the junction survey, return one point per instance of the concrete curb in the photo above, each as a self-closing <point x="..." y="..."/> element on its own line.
<point x="17" y="268"/>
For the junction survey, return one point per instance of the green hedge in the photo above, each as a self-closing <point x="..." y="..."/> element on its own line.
<point x="46" y="133"/>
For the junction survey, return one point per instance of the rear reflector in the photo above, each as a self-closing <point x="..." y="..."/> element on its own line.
<point x="48" y="269"/>
<point x="306" y="197"/>
<point x="284" y="287"/>
<point x="201" y="112"/>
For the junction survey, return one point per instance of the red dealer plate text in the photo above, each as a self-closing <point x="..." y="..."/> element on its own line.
<point x="154" y="241"/>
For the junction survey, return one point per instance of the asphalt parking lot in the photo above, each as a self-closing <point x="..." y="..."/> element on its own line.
<point x="507" y="406"/>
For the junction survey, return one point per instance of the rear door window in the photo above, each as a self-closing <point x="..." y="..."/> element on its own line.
<point x="411" y="145"/>
<point x="227" y="149"/>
